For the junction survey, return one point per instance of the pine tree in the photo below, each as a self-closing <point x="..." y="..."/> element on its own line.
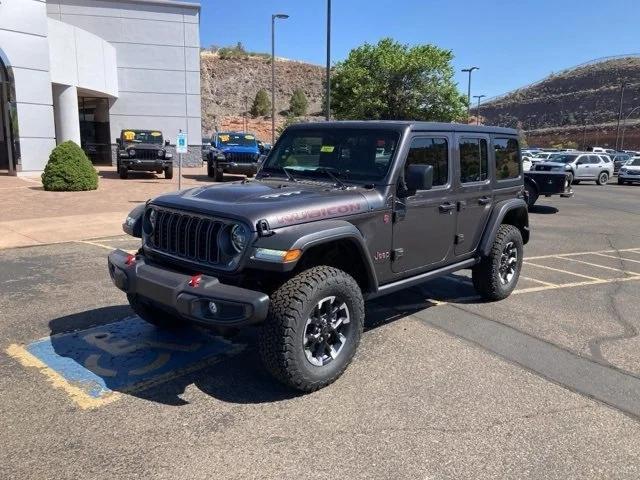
<point x="261" y="104"/>
<point x="298" y="103"/>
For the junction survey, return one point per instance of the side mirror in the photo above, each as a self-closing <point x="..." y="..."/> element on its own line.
<point x="419" y="177"/>
<point x="119" y="142"/>
<point x="167" y="143"/>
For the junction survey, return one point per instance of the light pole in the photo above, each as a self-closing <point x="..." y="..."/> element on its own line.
<point x="281" y="16"/>
<point x="328" y="86"/>
<point x="479" y="97"/>
<point x="622" y="87"/>
<point x="624" y="125"/>
<point x="469" y="71"/>
<point x="246" y="120"/>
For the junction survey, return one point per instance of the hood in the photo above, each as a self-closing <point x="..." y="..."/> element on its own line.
<point x="238" y="149"/>
<point x="552" y="164"/>
<point x="281" y="203"/>
<point x="634" y="168"/>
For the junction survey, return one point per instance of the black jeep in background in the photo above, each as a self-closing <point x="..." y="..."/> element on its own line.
<point x="339" y="213"/>
<point x="143" y="151"/>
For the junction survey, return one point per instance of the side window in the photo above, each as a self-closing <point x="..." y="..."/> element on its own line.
<point x="474" y="160"/>
<point x="434" y="152"/>
<point x="508" y="164"/>
<point x="594" y="159"/>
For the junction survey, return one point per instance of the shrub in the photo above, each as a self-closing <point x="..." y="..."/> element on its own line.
<point x="261" y="104"/>
<point x="69" y="170"/>
<point x="298" y="104"/>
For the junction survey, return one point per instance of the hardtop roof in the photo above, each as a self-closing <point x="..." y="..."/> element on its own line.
<point x="404" y="124"/>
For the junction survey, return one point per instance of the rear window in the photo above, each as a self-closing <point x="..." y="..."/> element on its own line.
<point x="507" y="154"/>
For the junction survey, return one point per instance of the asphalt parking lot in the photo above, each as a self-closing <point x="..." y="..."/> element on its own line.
<point x="545" y="384"/>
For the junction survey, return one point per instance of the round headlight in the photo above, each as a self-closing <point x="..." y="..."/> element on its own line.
<point x="161" y="153"/>
<point x="239" y="237"/>
<point x="132" y="152"/>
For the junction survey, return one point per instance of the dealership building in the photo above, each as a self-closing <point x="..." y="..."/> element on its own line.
<point x="83" y="70"/>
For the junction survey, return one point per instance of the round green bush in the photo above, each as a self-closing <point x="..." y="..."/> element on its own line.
<point x="69" y="170"/>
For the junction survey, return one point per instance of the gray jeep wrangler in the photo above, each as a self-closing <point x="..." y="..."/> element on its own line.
<point x="339" y="213"/>
<point x="143" y="151"/>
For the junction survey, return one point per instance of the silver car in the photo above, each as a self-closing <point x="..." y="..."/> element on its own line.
<point x="580" y="166"/>
<point x="630" y="172"/>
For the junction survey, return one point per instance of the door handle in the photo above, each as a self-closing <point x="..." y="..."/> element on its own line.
<point x="447" y="207"/>
<point x="484" y="200"/>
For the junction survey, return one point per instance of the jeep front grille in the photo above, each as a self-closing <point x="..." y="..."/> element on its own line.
<point x="146" y="154"/>
<point x="240" y="157"/>
<point x="186" y="236"/>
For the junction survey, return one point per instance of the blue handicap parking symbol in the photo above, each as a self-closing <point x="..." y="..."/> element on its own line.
<point x="126" y="355"/>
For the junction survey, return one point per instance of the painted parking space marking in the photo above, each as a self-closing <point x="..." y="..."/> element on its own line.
<point x="95" y="366"/>
<point x="617" y="258"/>
<point x="566" y="272"/>
<point x="535" y="280"/>
<point x="569" y="259"/>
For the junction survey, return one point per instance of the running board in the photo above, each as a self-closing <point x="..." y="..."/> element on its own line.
<point x="418" y="279"/>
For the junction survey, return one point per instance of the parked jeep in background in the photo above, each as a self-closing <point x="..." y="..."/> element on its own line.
<point x="143" y="151"/>
<point x="233" y="152"/>
<point x="339" y="213"/>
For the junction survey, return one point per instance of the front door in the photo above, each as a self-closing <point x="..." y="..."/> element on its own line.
<point x="475" y="195"/>
<point x="583" y="167"/>
<point x="425" y="221"/>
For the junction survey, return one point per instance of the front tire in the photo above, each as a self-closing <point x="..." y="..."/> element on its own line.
<point x="153" y="315"/>
<point x="313" y="329"/>
<point x="496" y="276"/>
<point x="532" y="195"/>
<point x="124" y="173"/>
<point x="603" y="178"/>
<point x="620" y="181"/>
<point x="168" y="172"/>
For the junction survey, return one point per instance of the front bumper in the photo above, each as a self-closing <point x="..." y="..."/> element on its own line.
<point x="629" y="178"/>
<point x="236" y="307"/>
<point x="238" y="168"/>
<point x="138" y="164"/>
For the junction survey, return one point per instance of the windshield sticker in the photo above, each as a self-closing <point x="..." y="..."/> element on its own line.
<point x="129" y="136"/>
<point x="156" y="134"/>
<point x="224" y="138"/>
<point x="327" y="149"/>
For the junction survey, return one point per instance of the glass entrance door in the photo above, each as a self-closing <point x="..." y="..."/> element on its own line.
<point x="94" y="129"/>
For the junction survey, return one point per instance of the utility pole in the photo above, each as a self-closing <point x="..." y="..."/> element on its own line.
<point x="624" y="125"/>
<point x="479" y="97"/>
<point x="246" y="119"/>
<point x="273" y="72"/>
<point x="328" y="86"/>
<point x="622" y="87"/>
<point x="469" y="71"/>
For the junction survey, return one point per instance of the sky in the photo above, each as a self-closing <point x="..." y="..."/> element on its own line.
<point x="513" y="42"/>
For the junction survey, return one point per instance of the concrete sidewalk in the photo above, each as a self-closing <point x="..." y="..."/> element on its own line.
<point x="32" y="216"/>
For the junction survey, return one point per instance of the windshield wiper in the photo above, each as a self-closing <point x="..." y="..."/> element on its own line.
<point x="329" y="172"/>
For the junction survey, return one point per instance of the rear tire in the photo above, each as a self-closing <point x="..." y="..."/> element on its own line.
<point x="495" y="277"/>
<point x="168" y="172"/>
<point x="313" y="329"/>
<point x="123" y="172"/>
<point x="153" y="315"/>
<point x="532" y="195"/>
<point x="603" y="178"/>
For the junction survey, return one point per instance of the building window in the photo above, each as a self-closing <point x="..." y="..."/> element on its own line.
<point x="474" y="160"/>
<point x="508" y="164"/>
<point x="434" y="152"/>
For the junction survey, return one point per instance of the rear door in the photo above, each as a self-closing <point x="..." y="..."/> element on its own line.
<point x="474" y="192"/>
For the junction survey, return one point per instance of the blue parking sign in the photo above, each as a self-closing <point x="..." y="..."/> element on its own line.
<point x="181" y="143"/>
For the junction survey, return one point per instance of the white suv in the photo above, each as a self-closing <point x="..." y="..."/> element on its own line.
<point x="580" y="166"/>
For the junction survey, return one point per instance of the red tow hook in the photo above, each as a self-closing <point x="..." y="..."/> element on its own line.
<point x="131" y="260"/>
<point x="195" y="280"/>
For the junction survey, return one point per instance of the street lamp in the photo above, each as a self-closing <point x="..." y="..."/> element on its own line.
<point x="328" y="86"/>
<point x="624" y="125"/>
<point x="622" y="87"/>
<point x="469" y="71"/>
<point x="479" y="97"/>
<point x="281" y="16"/>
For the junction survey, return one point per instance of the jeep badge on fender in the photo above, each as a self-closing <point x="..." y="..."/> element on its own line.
<point x="339" y="213"/>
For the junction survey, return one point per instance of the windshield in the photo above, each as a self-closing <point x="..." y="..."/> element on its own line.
<point x="237" y="140"/>
<point x="562" y="158"/>
<point x="542" y="155"/>
<point x="634" y="163"/>
<point x="350" y="154"/>
<point x="142" y="136"/>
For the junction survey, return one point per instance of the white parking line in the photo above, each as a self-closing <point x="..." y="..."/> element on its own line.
<point x="540" y="257"/>
<point x="564" y="271"/>
<point x="600" y="266"/>
<point x="548" y="284"/>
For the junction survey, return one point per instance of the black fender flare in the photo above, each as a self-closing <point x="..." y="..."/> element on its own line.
<point x="516" y="211"/>
<point x="308" y="235"/>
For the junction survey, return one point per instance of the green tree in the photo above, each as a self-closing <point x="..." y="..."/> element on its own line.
<point x="392" y="81"/>
<point x="261" y="104"/>
<point x="298" y="104"/>
<point x="69" y="170"/>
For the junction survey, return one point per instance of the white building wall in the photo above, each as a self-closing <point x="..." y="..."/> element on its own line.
<point x="23" y="39"/>
<point x="158" y="53"/>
